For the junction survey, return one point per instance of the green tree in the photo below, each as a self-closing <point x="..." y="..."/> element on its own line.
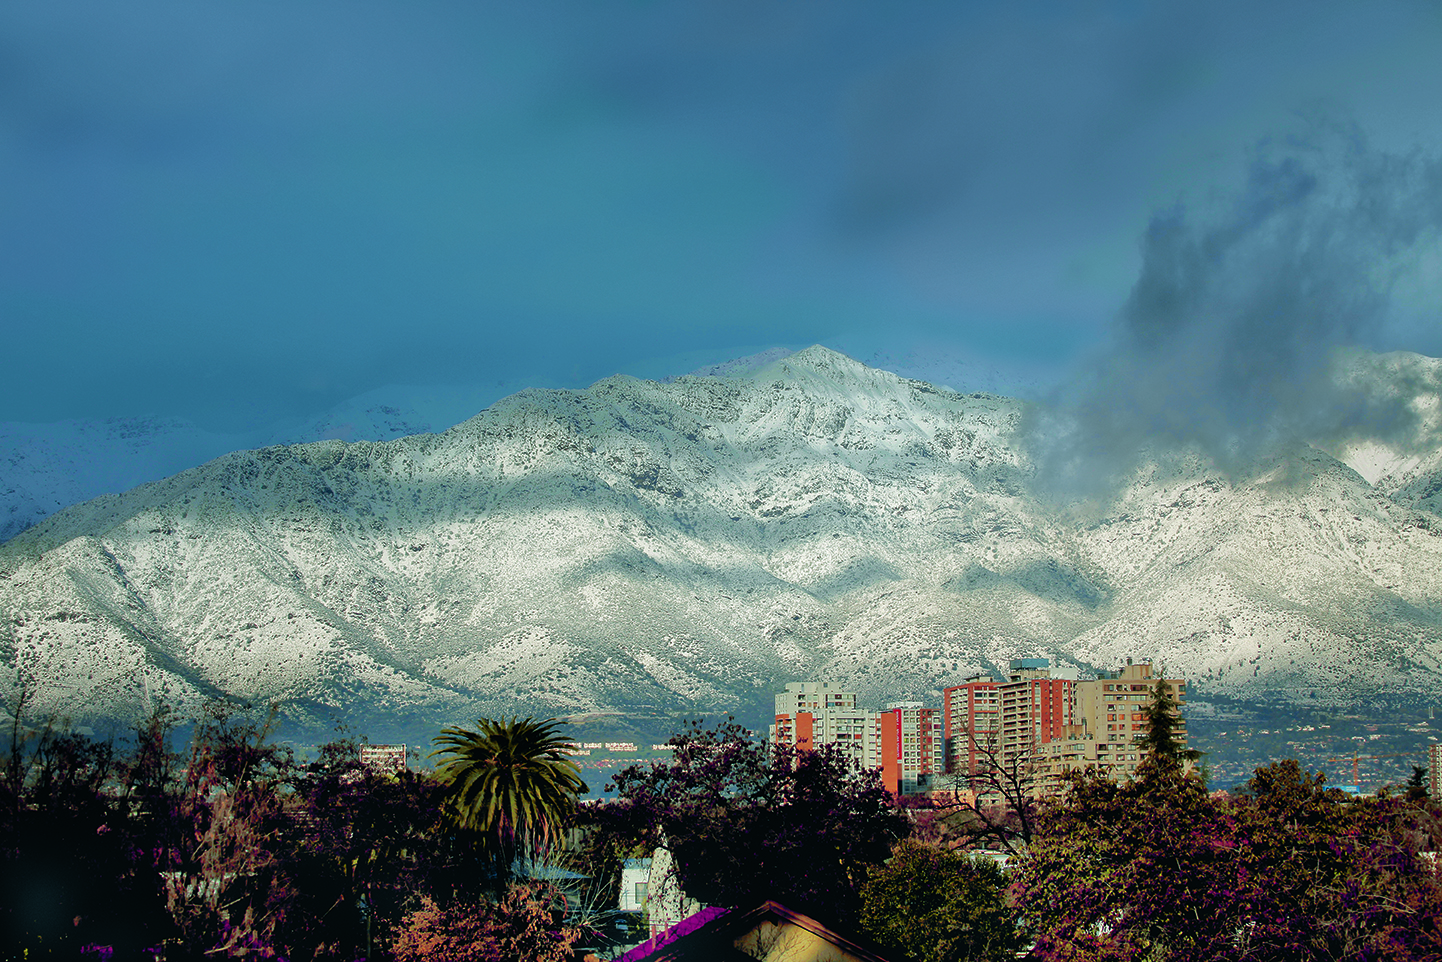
<point x="1164" y="751"/>
<point x="936" y="905"/>
<point x="513" y="783"/>
<point x="1158" y="869"/>
<point x="1339" y="877"/>
<point x="67" y="876"/>
<point x="225" y="879"/>
<point x="1139" y="870"/>
<point x="360" y="845"/>
<point x="1416" y="787"/>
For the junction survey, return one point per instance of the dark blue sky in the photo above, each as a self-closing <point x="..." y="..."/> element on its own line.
<point x="237" y="212"/>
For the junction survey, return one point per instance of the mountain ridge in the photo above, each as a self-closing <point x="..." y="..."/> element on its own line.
<point x="650" y="547"/>
<point x="46" y="467"/>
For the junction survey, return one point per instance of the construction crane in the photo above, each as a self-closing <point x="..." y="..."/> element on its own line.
<point x="1356" y="780"/>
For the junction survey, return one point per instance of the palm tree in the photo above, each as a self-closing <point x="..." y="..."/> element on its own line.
<point x="513" y="783"/>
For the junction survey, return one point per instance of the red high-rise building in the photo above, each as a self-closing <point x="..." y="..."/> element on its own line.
<point x="971" y="725"/>
<point x="910" y="741"/>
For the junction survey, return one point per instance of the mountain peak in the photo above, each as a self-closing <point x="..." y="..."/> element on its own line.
<point x="832" y="368"/>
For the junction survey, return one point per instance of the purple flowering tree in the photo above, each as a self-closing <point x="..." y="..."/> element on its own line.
<point x="1156" y="868"/>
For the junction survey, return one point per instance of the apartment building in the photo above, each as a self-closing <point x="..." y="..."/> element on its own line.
<point x="904" y="741"/>
<point x="1110" y="724"/>
<point x="971" y="724"/>
<point x="1035" y="709"/>
<point x="814" y="697"/>
<point x="384" y="759"/>
<point x="912" y="747"/>
<point x="1043" y="726"/>
<point x="1035" y="726"/>
<point x="814" y="713"/>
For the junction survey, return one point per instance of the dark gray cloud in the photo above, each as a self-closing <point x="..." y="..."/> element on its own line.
<point x="1238" y="333"/>
<point x="237" y="212"/>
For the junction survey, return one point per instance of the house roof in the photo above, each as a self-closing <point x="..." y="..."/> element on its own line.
<point x="719" y="936"/>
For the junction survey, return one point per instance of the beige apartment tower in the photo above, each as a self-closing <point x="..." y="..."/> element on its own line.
<point x="1110" y="724"/>
<point x="1038" y="727"/>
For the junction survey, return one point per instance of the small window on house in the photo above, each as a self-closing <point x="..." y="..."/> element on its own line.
<point x="640" y="893"/>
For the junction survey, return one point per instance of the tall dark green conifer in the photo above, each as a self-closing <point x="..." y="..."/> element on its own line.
<point x="1416" y="787"/>
<point x="1165" y="753"/>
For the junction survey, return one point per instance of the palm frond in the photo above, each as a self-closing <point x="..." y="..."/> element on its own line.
<point x="512" y="781"/>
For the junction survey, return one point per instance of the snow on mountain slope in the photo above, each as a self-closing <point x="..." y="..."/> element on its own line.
<point x="1406" y="461"/>
<point x="1301" y="581"/>
<point x="46" y="467"/>
<point x="667" y="547"/>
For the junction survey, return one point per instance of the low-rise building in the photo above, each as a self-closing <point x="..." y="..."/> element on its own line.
<point x="635" y="881"/>
<point x="384" y="759"/>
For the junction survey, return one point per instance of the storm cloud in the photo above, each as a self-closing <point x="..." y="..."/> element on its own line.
<point x="1240" y="331"/>
<point x="238" y="214"/>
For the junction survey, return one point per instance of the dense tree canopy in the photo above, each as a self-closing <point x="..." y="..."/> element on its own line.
<point x="747" y="823"/>
<point x="233" y="847"/>
<point x="1157" y="868"/>
<point x="936" y="905"/>
<point x="526" y="923"/>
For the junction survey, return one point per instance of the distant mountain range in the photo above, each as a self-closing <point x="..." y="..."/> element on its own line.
<point x="46" y="467"/>
<point x="656" y="548"/>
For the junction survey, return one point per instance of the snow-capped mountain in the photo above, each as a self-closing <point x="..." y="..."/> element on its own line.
<point x="46" y="467"/>
<point x="661" y="547"/>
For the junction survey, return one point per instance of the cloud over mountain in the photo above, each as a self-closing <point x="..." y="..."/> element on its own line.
<point x="1238" y="333"/>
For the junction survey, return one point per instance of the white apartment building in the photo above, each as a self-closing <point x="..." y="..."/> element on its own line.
<point x="904" y="741"/>
<point x="812" y="713"/>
